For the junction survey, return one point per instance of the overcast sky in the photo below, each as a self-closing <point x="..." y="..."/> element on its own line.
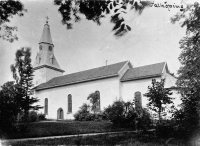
<point x="152" y="39"/>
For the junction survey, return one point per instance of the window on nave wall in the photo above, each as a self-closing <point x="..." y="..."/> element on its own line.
<point x="94" y="99"/>
<point x="46" y="106"/>
<point x="69" y="103"/>
<point x="138" y="100"/>
<point x="98" y="107"/>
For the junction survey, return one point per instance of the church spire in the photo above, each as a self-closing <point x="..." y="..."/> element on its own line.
<point x="46" y="66"/>
<point x="46" y="34"/>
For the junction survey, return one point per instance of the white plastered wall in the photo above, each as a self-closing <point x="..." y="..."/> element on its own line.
<point x="52" y="73"/>
<point x="57" y="97"/>
<point x="44" y="74"/>
<point x="170" y="81"/>
<point x="130" y="87"/>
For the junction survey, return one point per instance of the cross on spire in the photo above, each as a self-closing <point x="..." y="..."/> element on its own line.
<point x="47" y="19"/>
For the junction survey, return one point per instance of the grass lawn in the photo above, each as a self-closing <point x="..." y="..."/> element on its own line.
<point x="42" y="129"/>
<point x="116" y="139"/>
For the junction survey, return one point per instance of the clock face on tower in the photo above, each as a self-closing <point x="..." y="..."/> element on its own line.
<point x="50" y="48"/>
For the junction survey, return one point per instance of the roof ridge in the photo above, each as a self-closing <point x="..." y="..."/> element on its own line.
<point x="90" y="69"/>
<point x="71" y="74"/>
<point x="148" y="65"/>
<point x="144" y="71"/>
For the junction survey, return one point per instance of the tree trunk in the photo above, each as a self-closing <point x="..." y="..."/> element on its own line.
<point x="26" y="110"/>
<point x="159" y="116"/>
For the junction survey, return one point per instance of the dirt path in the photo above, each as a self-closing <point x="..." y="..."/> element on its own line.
<point x="64" y="136"/>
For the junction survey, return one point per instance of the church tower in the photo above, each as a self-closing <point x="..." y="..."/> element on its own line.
<point x="46" y="66"/>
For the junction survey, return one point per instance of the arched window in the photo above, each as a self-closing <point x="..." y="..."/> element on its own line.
<point x="98" y="107"/>
<point x="69" y="103"/>
<point x="138" y="100"/>
<point x="46" y="106"/>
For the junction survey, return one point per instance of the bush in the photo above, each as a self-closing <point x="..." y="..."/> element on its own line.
<point x="9" y="108"/>
<point x="84" y="115"/>
<point x="88" y="117"/>
<point x="165" y="130"/>
<point x="123" y="114"/>
<point x="119" y="115"/>
<point x="41" y="117"/>
<point x="145" y="122"/>
<point x="33" y="117"/>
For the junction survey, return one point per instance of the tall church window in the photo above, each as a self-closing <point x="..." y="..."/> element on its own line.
<point x="95" y="101"/>
<point x="138" y="100"/>
<point x="98" y="101"/>
<point x="69" y="103"/>
<point x="46" y="106"/>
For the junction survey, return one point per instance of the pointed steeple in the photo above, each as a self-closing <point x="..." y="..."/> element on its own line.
<point x="46" y="34"/>
<point x="45" y="59"/>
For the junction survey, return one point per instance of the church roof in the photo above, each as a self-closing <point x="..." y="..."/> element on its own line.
<point x="46" y="35"/>
<point x="83" y="76"/>
<point x="142" y="72"/>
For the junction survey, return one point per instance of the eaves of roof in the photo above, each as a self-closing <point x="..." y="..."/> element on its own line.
<point x="82" y="81"/>
<point x="47" y="66"/>
<point x="141" y="77"/>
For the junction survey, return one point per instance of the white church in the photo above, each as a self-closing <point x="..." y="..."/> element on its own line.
<point x="62" y="95"/>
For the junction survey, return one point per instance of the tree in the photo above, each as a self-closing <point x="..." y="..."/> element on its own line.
<point x="189" y="72"/>
<point x="9" y="8"/>
<point x="23" y="74"/>
<point x="9" y="107"/>
<point x="95" y="101"/>
<point x="124" y="114"/>
<point x="116" y="113"/>
<point x="96" y="9"/>
<point x="82" y="113"/>
<point x="158" y="97"/>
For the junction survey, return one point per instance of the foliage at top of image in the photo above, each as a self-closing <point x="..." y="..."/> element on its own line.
<point x="8" y="9"/>
<point x="95" y="10"/>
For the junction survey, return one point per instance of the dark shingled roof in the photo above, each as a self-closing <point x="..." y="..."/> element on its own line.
<point x="87" y="75"/>
<point x="142" y="72"/>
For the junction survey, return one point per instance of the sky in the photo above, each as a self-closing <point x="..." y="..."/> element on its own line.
<point x="153" y="39"/>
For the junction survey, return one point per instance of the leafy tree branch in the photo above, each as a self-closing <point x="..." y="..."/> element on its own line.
<point x="8" y="9"/>
<point x="95" y="10"/>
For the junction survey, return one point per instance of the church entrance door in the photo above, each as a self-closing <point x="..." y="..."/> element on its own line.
<point x="60" y="114"/>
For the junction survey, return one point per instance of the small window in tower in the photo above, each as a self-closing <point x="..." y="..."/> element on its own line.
<point x="51" y="59"/>
<point x="38" y="58"/>
<point x="40" y="47"/>
<point x="50" y="48"/>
